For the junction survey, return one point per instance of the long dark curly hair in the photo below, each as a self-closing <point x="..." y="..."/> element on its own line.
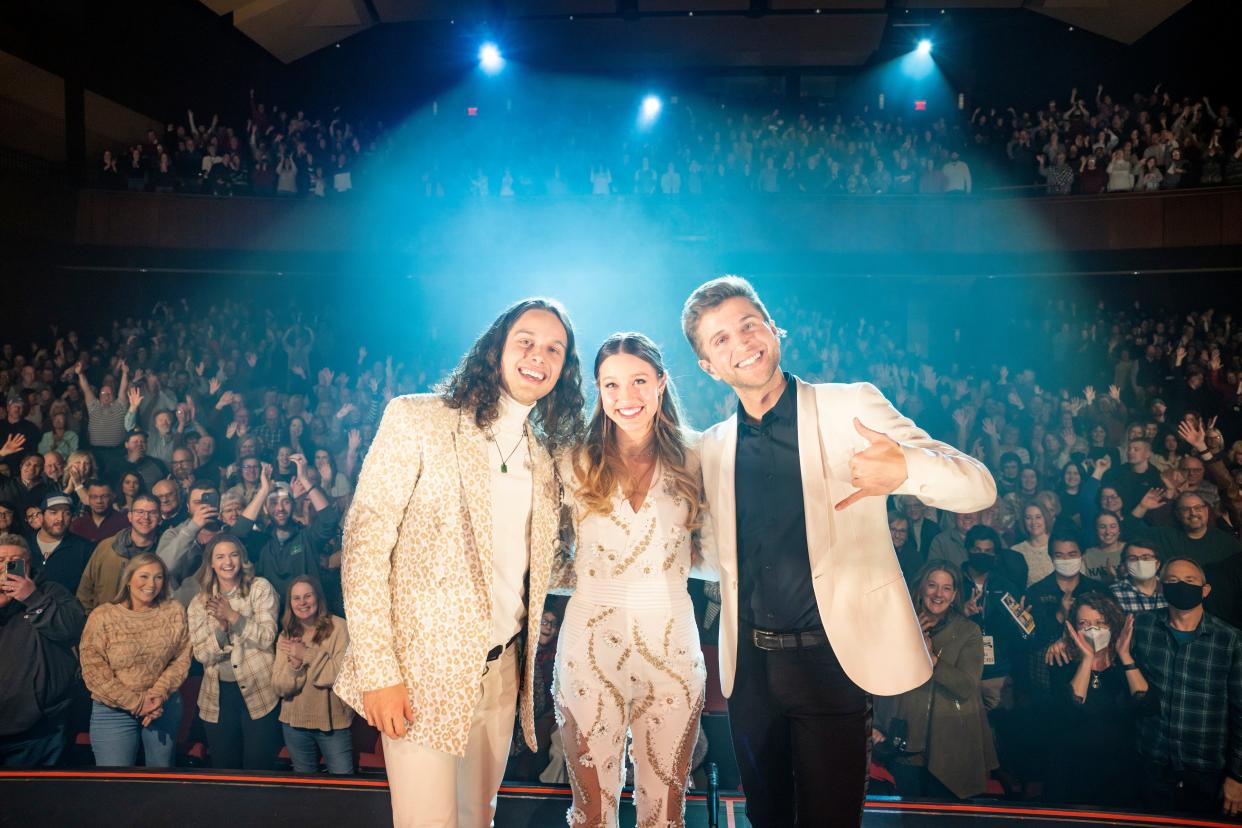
<point x="475" y="384"/>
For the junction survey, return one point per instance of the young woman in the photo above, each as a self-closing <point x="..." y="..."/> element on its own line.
<point x="1036" y="526"/>
<point x="948" y="749"/>
<point x="1102" y="560"/>
<point x="233" y="628"/>
<point x="334" y="483"/>
<point x="628" y="660"/>
<point x="308" y="652"/>
<point x="135" y="654"/>
<point x="131" y="486"/>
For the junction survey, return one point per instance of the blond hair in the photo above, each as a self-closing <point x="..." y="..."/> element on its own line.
<point x="133" y="565"/>
<point x="711" y="295"/>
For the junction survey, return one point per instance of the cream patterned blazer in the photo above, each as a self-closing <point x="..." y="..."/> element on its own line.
<point x="417" y="569"/>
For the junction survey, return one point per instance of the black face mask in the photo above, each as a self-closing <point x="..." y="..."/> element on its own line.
<point x="982" y="562"/>
<point x="1183" y="596"/>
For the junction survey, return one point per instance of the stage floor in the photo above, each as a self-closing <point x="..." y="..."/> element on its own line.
<point x="148" y="799"/>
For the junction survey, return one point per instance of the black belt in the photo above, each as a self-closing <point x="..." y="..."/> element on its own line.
<point x="497" y="651"/>
<point x="788" y="641"/>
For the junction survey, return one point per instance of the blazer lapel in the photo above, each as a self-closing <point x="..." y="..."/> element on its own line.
<point x="544" y="521"/>
<point x="815" y="496"/>
<point x="471" y="448"/>
<point x="726" y="498"/>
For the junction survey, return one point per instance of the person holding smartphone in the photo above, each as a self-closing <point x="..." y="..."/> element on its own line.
<point x="40" y="624"/>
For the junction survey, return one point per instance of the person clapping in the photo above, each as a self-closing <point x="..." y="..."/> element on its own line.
<point x="308" y="652"/>
<point x="135" y="654"/>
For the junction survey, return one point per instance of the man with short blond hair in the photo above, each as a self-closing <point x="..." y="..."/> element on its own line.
<point x="815" y="613"/>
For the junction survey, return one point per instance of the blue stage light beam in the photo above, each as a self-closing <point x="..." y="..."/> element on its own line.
<point x="925" y="47"/>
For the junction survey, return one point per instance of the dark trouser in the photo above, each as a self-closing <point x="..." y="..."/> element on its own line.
<point x="40" y="746"/>
<point x="801" y="732"/>
<point x="1167" y="791"/>
<point x="237" y="741"/>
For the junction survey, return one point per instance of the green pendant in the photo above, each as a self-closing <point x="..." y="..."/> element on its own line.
<point x="504" y="468"/>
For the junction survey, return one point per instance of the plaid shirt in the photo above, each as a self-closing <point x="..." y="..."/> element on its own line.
<point x="250" y="652"/>
<point x="1131" y="600"/>
<point x="1198" y="688"/>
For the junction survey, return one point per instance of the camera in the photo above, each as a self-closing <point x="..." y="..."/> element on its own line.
<point x="15" y="568"/>
<point x="210" y="499"/>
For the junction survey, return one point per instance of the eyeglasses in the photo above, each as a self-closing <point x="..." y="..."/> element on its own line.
<point x="1185" y="510"/>
<point x="145" y="512"/>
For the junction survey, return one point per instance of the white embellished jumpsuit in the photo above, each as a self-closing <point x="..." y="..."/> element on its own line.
<point x="628" y="661"/>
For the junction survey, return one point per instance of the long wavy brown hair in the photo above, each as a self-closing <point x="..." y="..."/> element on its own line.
<point x="475" y="384"/>
<point x="597" y="463"/>
<point x="291" y="625"/>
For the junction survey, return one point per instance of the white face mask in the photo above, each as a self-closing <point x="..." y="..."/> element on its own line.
<point x="1142" y="570"/>
<point x="1068" y="567"/>
<point x="1097" y="637"/>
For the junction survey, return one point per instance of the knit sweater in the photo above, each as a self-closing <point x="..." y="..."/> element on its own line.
<point x="306" y="693"/>
<point x="126" y="654"/>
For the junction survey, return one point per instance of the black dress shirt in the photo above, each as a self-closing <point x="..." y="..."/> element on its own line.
<point x="776" y="591"/>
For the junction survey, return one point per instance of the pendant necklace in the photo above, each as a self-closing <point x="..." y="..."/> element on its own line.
<point x="504" y="458"/>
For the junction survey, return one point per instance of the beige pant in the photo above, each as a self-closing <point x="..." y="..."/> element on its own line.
<point x="432" y="789"/>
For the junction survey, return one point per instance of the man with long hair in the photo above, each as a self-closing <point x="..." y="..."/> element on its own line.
<point x="815" y="614"/>
<point x="446" y="561"/>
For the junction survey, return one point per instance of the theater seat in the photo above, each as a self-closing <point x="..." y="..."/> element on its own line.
<point x="879" y="773"/>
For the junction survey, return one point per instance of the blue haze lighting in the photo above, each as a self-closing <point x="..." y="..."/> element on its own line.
<point x="925" y="47"/>
<point x="490" y="59"/>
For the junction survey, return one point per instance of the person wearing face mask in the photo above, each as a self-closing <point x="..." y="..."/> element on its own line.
<point x="1139" y="588"/>
<point x="1190" y="749"/>
<point x="1096" y="698"/>
<point x="1050" y="600"/>
<point x="990" y="571"/>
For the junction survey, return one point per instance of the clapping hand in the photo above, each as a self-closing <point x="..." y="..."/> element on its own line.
<point x="1085" y="650"/>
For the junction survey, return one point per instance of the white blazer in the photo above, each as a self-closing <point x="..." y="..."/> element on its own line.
<point x="859" y="587"/>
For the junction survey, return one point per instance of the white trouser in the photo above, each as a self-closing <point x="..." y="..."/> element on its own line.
<point x="432" y="789"/>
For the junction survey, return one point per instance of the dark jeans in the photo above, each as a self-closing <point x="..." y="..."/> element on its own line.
<point x="1190" y="791"/>
<point x="801" y="732"/>
<point x="238" y="741"/>
<point x="40" y="746"/>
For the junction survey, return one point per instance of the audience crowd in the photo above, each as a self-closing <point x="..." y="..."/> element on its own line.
<point x="173" y="490"/>
<point x="1086" y="144"/>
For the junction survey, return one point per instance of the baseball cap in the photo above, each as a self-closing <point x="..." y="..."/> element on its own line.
<point x="55" y="500"/>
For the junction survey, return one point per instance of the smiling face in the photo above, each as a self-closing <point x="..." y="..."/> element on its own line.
<point x="1034" y="523"/>
<point x="938" y="592"/>
<point x="304" y="603"/>
<point x="738" y="345"/>
<point x="146" y="585"/>
<point x="1107" y="530"/>
<point x="533" y="355"/>
<point x="226" y="562"/>
<point x="629" y="393"/>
